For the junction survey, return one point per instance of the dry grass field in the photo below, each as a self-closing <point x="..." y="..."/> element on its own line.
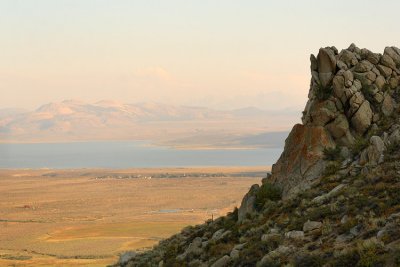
<point x="87" y="217"/>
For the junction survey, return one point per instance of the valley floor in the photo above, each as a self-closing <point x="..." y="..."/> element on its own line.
<point x="87" y="217"/>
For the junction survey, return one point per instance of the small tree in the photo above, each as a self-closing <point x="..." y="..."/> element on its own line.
<point x="323" y="92"/>
<point x="332" y="153"/>
<point x="266" y="192"/>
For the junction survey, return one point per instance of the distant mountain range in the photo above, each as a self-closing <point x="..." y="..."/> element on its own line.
<point x="73" y="120"/>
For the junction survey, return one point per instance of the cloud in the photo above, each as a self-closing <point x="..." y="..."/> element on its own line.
<point x="154" y="73"/>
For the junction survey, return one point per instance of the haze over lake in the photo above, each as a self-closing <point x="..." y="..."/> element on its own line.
<point x="127" y="154"/>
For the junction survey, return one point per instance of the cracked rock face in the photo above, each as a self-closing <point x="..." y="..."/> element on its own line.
<point x="301" y="160"/>
<point x="350" y="91"/>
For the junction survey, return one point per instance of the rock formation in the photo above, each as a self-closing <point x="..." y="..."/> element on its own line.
<point x="332" y="198"/>
<point x="350" y="92"/>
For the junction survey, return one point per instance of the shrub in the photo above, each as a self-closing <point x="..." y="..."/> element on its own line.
<point x="234" y="214"/>
<point x="171" y="252"/>
<point x="345" y="227"/>
<point x="386" y="122"/>
<point x="359" y="144"/>
<point x="350" y="258"/>
<point x="220" y="249"/>
<point x="392" y="148"/>
<point x="386" y="87"/>
<point x="326" y="228"/>
<point x="253" y="252"/>
<point x="367" y="91"/>
<point x="266" y="192"/>
<point x="308" y="261"/>
<point x="270" y="209"/>
<point x="396" y="258"/>
<point x="271" y="263"/>
<point x="296" y="223"/>
<point x="274" y="242"/>
<point x="369" y="253"/>
<point x="323" y="92"/>
<point x="332" y="154"/>
<point x="319" y="213"/>
<point x="332" y="168"/>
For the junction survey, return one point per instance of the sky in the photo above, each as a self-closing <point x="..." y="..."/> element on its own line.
<point x="217" y="53"/>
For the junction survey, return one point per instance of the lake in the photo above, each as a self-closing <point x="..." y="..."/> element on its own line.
<point x="127" y="154"/>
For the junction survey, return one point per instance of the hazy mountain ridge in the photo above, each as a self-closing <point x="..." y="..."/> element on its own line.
<point x="74" y="120"/>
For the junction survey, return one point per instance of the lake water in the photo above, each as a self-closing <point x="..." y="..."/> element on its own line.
<point x="127" y="154"/>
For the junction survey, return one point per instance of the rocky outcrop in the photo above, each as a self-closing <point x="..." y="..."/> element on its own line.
<point x="350" y="92"/>
<point x="339" y="174"/>
<point x="248" y="201"/>
<point x="126" y="257"/>
<point x="302" y="159"/>
<point x="326" y="65"/>
<point x="193" y="249"/>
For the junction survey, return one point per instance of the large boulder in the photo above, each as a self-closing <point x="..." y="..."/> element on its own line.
<point x="390" y="51"/>
<point x="385" y="71"/>
<point x="362" y="118"/>
<point x="339" y="87"/>
<point x="193" y="249"/>
<point x="302" y="159"/>
<point x="348" y="78"/>
<point x="322" y="112"/>
<point x="387" y="105"/>
<point x="248" y="201"/>
<point x="375" y="150"/>
<point x="311" y="225"/>
<point x="348" y="57"/>
<point x="370" y="56"/>
<point x="126" y="257"/>
<point x="222" y="262"/>
<point x="326" y="65"/>
<point x="272" y="256"/>
<point x="387" y="61"/>
<point x="340" y="130"/>
<point x="380" y="82"/>
<point x="363" y="66"/>
<point x="339" y="127"/>
<point x="355" y="102"/>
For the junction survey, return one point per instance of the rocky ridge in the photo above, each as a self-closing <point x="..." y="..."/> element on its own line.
<point x="332" y="197"/>
<point x="351" y="92"/>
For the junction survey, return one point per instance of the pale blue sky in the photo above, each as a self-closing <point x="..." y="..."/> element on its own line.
<point x="221" y="53"/>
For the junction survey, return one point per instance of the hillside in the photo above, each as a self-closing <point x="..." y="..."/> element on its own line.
<point x="160" y="124"/>
<point x="332" y="198"/>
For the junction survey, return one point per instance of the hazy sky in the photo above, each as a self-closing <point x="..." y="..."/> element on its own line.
<point x="220" y="53"/>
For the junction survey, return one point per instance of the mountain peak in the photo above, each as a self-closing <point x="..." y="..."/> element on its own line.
<point x="55" y="109"/>
<point x="109" y="103"/>
<point x="73" y="101"/>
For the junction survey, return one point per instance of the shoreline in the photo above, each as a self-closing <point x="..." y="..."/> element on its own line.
<point x="220" y="169"/>
<point x="148" y="143"/>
